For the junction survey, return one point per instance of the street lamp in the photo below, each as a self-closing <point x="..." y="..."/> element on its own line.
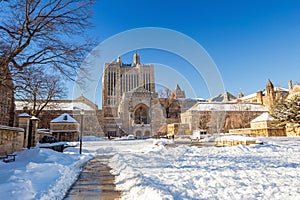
<point x="81" y="130"/>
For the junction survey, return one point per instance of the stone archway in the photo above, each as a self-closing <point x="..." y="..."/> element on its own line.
<point x="147" y="134"/>
<point x="138" y="134"/>
<point x="141" y="115"/>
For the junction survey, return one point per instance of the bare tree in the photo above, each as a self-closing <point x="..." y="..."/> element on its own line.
<point x="164" y="93"/>
<point x="204" y="120"/>
<point x="48" y="33"/>
<point x="166" y="99"/>
<point x="37" y="88"/>
<point x="217" y="121"/>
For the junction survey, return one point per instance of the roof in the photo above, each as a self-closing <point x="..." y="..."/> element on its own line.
<point x="64" y="118"/>
<point x="250" y="96"/>
<point x="80" y="102"/>
<point x="24" y="115"/>
<point x="263" y="117"/>
<point x="225" y="97"/>
<point x="217" y="106"/>
<point x="276" y="89"/>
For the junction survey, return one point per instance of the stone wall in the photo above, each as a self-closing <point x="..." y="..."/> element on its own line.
<point x="261" y="132"/>
<point x="292" y="130"/>
<point x="11" y="139"/>
<point x="178" y="129"/>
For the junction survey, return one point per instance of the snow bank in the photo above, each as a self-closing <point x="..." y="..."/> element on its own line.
<point x="163" y="142"/>
<point x="40" y="174"/>
<point x="92" y="138"/>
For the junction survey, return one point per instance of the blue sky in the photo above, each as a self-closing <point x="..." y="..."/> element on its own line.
<point x="250" y="41"/>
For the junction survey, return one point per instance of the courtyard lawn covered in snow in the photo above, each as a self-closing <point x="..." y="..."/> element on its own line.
<point x="147" y="171"/>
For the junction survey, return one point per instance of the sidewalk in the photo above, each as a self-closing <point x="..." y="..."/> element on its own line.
<point x="95" y="182"/>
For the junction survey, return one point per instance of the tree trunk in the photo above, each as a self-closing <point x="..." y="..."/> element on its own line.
<point x="7" y="100"/>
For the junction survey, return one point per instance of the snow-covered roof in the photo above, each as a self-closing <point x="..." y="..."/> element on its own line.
<point x="64" y="131"/>
<point x="24" y="115"/>
<point x="64" y="118"/>
<point x="250" y="96"/>
<point x="209" y="106"/>
<point x="56" y="105"/>
<point x="225" y="97"/>
<point x="276" y="89"/>
<point x="263" y="117"/>
<point x="80" y="102"/>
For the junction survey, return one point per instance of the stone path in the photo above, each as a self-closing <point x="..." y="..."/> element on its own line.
<point x="95" y="182"/>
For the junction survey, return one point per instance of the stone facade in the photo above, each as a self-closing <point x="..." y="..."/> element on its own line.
<point x="129" y="102"/>
<point x="264" y="126"/>
<point x="267" y="97"/>
<point x="220" y="117"/>
<point x="11" y="139"/>
<point x="65" y="128"/>
<point x="292" y="130"/>
<point x="92" y="119"/>
<point x="178" y="129"/>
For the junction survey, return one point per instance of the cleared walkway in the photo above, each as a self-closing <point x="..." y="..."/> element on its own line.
<point x="95" y="182"/>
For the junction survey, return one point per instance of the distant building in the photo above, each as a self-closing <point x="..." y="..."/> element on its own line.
<point x="65" y="128"/>
<point x="266" y="97"/>
<point x="264" y="125"/>
<point x="293" y="91"/>
<point x="225" y="97"/>
<point x="176" y="104"/>
<point x="178" y="93"/>
<point x="92" y="118"/>
<point x="220" y="117"/>
<point x="129" y="102"/>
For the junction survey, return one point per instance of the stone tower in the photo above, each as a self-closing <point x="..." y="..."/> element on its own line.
<point x="270" y="93"/>
<point x="290" y="85"/>
<point x="136" y="59"/>
<point x="240" y="95"/>
<point x="178" y="93"/>
<point x="118" y="80"/>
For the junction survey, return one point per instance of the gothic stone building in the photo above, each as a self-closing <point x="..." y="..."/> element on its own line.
<point x="129" y="102"/>
<point x="266" y="97"/>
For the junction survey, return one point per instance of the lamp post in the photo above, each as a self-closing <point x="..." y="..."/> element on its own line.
<point x="150" y="114"/>
<point x="81" y="131"/>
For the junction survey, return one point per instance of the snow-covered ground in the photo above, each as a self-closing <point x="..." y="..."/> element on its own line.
<point x="147" y="169"/>
<point x="39" y="174"/>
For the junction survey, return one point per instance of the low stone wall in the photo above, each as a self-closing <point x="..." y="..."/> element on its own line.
<point x="262" y="132"/>
<point x="11" y="139"/>
<point x="292" y="130"/>
<point x="242" y="131"/>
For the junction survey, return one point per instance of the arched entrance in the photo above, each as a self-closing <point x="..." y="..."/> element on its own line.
<point x="141" y="114"/>
<point x="138" y="134"/>
<point x="147" y="134"/>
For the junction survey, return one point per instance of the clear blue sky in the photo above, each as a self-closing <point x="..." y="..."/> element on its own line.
<point x="250" y="41"/>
